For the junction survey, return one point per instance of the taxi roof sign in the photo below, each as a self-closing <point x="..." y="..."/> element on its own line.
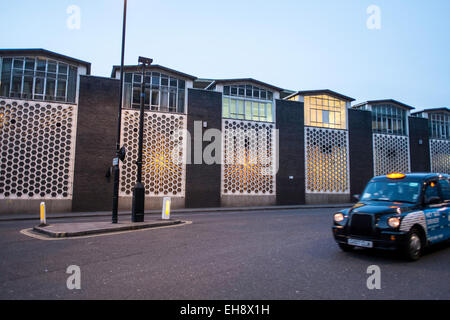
<point x="396" y="176"/>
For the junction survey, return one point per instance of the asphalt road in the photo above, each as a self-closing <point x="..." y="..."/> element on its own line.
<point x="246" y="255"/>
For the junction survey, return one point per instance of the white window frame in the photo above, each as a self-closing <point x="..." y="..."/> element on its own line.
<point x="252" y="101"/>
<point x="150" y="105"/>
<point x="36" y="58"/>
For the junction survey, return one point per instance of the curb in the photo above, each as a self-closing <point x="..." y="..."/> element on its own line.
<point x="28" y="217"/>
<point x="59" y="235"/>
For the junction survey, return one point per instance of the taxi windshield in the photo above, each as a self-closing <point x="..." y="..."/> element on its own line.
<point x="392" y="191"/>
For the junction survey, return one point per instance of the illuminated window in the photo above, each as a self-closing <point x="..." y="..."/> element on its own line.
<point x="246" y="102"/>
<point x="162" y="92"/>
<point x="38" y="79"/>
<point x="325" y="111"/>
<point x="295" y="98"/>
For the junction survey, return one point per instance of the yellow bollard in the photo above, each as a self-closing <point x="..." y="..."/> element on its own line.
<point x="166" y="208"/>
<point x="43" y="214"/>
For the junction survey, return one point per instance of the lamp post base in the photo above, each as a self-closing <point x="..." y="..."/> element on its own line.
<point x="115" y="211"/>
<point x="138" y="208"/>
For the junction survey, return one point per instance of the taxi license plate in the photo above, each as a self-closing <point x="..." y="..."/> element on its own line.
<point x="360" y="243"/>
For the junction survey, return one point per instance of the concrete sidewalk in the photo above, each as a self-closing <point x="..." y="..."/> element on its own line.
<point x="76" y="229"/>
<point x="24" y="217"/>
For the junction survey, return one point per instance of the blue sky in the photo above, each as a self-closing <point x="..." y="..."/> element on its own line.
<point x="294" y="44"/>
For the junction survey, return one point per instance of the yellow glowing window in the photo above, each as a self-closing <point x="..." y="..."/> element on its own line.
<point x="313" y="115"/>
<point x="319" y="116"/>
<point x="325" y="111"/>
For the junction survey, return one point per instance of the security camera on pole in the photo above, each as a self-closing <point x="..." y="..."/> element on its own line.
<point x="137" y="214"/>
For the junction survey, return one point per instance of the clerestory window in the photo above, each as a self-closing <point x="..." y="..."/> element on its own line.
<point x="325" y="111"/>
<point x="389" y="119"/>
<point x="37" y="78"/>
<point x="162" y="92"/>
<point x="439" y="125"/>
<point x="247" y="102"/>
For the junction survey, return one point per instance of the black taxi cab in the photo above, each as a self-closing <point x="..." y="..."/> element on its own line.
<point x="404" y="212"/>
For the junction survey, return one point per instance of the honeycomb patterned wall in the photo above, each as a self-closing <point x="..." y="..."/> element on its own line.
<point x="37" y="142"/>
<point x="440" y="156"/>
<point x="391" y="154"/>
<point x="249" y="163"/>
<point x="164" y="168"/>
<point x="327" y="160"/>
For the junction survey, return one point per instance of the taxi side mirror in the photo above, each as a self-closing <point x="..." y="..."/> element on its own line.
<point x="433" y="200"/>
<point x="357" y="196"/>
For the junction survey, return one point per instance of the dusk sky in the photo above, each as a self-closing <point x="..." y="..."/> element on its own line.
<point x="297" y="45"/>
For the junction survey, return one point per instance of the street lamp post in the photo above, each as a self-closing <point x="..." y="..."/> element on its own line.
<point x="120" y="152"/>
<point x="138" y="207"/>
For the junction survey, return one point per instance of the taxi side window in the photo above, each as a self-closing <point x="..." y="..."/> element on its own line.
<point x="431" y="191"/>
<point x="445" y="189"/>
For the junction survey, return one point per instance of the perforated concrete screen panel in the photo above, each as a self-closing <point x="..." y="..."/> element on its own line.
<point x="327" y="160"/>
<point x="164" y="168"/>
<point x="391" y="154"/>
<point x="440" y="156"/>
<point x="249" y="164"/>
<point x="37" y="141"/>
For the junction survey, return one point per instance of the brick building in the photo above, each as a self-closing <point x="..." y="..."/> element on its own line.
<point x="208" y="142"/>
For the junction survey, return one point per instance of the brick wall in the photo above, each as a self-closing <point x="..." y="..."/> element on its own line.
<point x="203" y="180"/>
<point x="96" y="141"/>
<point x="419" y="143"/>
<point x="361" y="149"/>
<point x="291" y="153"/>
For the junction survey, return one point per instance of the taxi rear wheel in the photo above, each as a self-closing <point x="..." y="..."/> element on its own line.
<point x="345" y="247"/>
<point x="414" y="247"/>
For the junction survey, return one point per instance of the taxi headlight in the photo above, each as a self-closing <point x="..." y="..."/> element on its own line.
<point x="394" y="222"/>
<point x="339" y="217"/>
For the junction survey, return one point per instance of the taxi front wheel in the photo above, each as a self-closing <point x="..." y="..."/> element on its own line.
<point x="413" y="249"/>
